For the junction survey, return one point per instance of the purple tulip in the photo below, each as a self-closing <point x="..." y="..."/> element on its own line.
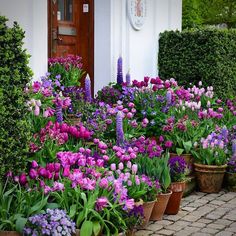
<point x="101" y="203"/>
<point x="33" y="174"/>
<point x="23" y="179"/>
<point x="34" y="164"/>
<point x="134" y="169"/>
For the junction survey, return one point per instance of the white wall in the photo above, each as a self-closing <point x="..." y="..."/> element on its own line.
<point x="114" y="35"/>
<point x="32" y="17"/>
<point x="139" y="49"/>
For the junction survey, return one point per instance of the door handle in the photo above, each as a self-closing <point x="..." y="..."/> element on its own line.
<point x="55" y="35"/>
<point x="58" y="39"/>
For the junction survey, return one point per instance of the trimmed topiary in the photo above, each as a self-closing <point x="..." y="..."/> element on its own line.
<point x="208" y="55"/>
<point x="14" y="75"/>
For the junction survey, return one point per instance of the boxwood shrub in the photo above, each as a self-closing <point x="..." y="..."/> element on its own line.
<point x="14" y="74"/>
<point x="208" y="55"/>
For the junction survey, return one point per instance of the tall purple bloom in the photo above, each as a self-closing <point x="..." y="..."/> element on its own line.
<point x="128" y="81"/>
<point x="88" y="95"/>
<point x="168" y="97"/>
<point x="119" y="71"/>
<point x="119" y="129"/>
<point x="234" y="147"/>
<point x="59" y="114"/>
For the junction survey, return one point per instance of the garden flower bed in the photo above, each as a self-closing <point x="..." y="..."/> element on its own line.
<point x="102" y="165"/>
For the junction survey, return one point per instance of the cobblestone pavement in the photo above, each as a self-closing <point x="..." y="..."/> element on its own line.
<point x="200" y="215"/>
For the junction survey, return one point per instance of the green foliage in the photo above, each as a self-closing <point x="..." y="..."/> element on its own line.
<point x="191" y="14"/>
<point x="208" y="12"/>
<point x="156" y="168"/>
<point x="14" y="75"/>
<point x="207" y="55"/>
<point x="17" y="204"/>
<point x="213" y="12"/>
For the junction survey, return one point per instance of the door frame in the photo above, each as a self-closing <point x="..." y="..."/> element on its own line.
<point x="90" y="59"/>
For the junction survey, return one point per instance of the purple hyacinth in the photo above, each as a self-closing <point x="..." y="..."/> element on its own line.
<point x="178" y="167"/>
<point x="168" y="97"/>
<point x="59" y="113"/>
<point x="234" y="147"/>
<point x="128" y="80"/>
<point x="119" y="129"/>
<point x="119" y="71"/>
<point x="88" y="95"/>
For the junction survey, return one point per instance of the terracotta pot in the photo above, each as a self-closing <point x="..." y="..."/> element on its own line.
<point x="189" y="159"/>
<point x="147" y="211"/>
<point x="130" y="232"/>
<point x="9" y="233"/>
<point x="230" y="181"/>
<point x="173" y="205"/>
<point x="209" y="178"/>
<point x="77" y="233"/>
<point x="160" y="206"/>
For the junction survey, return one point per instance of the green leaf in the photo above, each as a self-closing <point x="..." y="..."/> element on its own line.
<point x="52" y="205"/>
<point x="86" y="229"/>
<point x="73" y="209"/>
<point x="187" y="146"/>
<point x="38" y="206"/>
<point x="96" y="228"/>
<point x="20" y="224"/>
<point x="179" y="151"/>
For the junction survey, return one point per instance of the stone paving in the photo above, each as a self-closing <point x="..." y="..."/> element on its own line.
<point x="200" y="215"/>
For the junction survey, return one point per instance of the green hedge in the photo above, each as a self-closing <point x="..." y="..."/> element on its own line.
<point x="208" y="55"/>
<point x="14" y="74"/>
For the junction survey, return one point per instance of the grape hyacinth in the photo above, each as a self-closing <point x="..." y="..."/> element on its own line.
<point x="88" y="95"/>
<point x="119" y="71"/>
<point x="119" y="129"/>
<point x="53" y="222"/>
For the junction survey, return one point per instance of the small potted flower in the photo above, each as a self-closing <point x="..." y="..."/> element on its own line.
<point x="178" y="172"/>
<point x="230" y="175"/>
<point x="183" y="133"/>
<point x="53" y="222"/>
<point x="158" y="169"/>
<point x="211" y="158"/>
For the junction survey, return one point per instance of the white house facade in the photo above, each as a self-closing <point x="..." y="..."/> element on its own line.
<point x="114" y="35"/>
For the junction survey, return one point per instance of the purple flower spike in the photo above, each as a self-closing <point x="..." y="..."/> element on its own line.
<point x="88" y="95"/>
<point x="59" y="114"/>
<point x="128" y="80"/>
<point x="234" y="147"/>
<point x="168" y="97"/>
<point x="119" y="71"/>
<point x="119" y="129"/>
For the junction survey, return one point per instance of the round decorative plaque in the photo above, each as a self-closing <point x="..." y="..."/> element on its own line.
<point x="137" y="10"/>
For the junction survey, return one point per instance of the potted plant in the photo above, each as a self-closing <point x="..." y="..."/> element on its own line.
<point x="178" y="172"/>
<point x="52" y="222"/>
<point x="211" y="159"/>
<point x="157" y="168"/>
<point x="17" y="204"/>
<point x="230" y="175"/>
<point x="183" y="133"/>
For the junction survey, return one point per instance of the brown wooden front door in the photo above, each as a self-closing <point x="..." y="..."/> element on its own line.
<point x="71" y="31"/>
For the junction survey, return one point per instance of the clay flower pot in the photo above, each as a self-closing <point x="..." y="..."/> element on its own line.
<point x="230" y="181"/>
<point x="147" y="211"/>
<point x="173" y="205"/>
<point x="160" y="206"/>
<point x="9" y="233"/>
<point x="209" y="177"/>
<point x="189" y="159"/>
